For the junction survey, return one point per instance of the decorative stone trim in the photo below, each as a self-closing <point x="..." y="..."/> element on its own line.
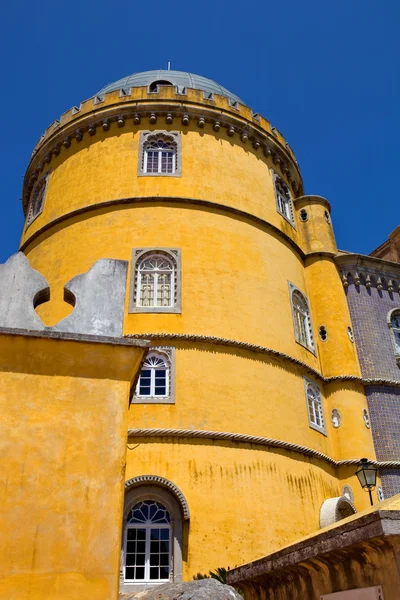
<point x="368" y="271"/>
<point x="295" y="290"/>
<point x="334" y="510"/>
<point x="242" y="438"/>
<point x="184" y="200"/>
<point x="308" y="383"/>
<point x="174" y="256"/>
<point x="164" y="483"/>
<point x="234" y="124"/>
<point x="38" y="198"/>
<point x="188" y="337"/>
<point x="173" y="137"/>
<point x="168" y="354"/>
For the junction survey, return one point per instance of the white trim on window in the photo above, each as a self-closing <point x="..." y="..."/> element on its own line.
<point x="37" y="198"/>
<point x="147" y="544"/>
<point x="314" y="406"/>
<point x="394" y="326"/>
<point x="155" y="280"/>
<point x="160" y="154"/>
<point x="303" y="330"/>
<point x="156" y="381"/>
<point x="283" y="197"/>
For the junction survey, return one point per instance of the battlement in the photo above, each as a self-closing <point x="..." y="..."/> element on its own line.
<point x="190" y="106"/>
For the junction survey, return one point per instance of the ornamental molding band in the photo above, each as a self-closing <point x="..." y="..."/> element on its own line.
<point x="368" y="272"/>
<point x="179" y="200"/>
<point x="97" y="297"/>
<point x="211" y="339"/>
<point x="163" y="483"/>
<point x="239" y="128"/>
<point x="243" y="438"/>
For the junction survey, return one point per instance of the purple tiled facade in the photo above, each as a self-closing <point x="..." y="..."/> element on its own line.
<point x="369" y="310"/>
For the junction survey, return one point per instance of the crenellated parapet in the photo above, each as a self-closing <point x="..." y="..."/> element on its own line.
<point x="166" y="106"/>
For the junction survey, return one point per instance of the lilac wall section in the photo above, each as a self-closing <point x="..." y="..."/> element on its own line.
<point x="369" y="310"/>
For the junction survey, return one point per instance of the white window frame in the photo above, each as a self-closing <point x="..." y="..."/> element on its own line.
<point x="395" y="331"/>
<point x="148" y="526"/>
<point x="139" y="255"/>
<point x="152" y="368"/>
<point x="39" y="190"/>
<point x="156" y="274"/>
<point x="284" y="205"/>
<point x="317" y="411"/>
<point x="167" y="354"/>
<point x="170" y="151"/>
<point x="309" y="341"/>
<point x="173" y="139"/>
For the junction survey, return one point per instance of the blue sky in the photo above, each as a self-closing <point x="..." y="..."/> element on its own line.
<point x="326" y="74"/>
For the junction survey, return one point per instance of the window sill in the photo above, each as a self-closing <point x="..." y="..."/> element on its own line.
<point x="152" y="400"/>
<point x="312" y="350"/>
<point x="292" y="223"/>
<point x="177" y="174"/>
<point x="319" y="429"/>
<point x="155" y="309"/>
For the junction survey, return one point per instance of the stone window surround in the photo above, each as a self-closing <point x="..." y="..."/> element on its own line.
<point x="292" y="221"/>
<point x="392" y="313"/>
<point x="322" y="429"/>
<point x="293" y="288"/>
<point x="30" y="216"/>
<point x="168" y="354"/>
<point x="149" y="491"/>
<point x="172" y="136"/>
<point x="138" y="254"/>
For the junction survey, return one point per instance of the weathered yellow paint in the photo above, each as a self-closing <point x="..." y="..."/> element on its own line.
<point x="62" y="456"/>
<point x="238" y="257"/>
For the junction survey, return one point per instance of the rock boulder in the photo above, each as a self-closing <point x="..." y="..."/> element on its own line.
<point x="202" y="589"/>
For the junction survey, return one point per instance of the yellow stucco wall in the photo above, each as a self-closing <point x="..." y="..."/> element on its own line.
<point x="62" y="459"/>
<point x="244" y="500"/>
<point x="236" y="269"/>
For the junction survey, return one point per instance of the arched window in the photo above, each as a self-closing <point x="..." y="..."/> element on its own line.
<point x="154" y="377"/>
<point x="301" y="319"/>
<point x="37" y="199"/>
<point x="394" y="324"/>
<point x="154" y="512"/>
<point x="155" y="281"/>
<point x="284" y="203"/>
<point x="159" y="157"/>
<point x="147" y="543"/>
<point x="160" y="153"/>
<point x="314" y="406"/>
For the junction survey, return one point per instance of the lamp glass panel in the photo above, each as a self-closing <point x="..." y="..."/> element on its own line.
<point x="370" y="475"/>
<point x="361" y="477"/>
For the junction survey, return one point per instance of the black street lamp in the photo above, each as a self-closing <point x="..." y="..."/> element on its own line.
<point x="367" y="476"/>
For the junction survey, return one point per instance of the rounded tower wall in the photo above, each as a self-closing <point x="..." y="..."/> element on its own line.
<point x="238" y="364"/>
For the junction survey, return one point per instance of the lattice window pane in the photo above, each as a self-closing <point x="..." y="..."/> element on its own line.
<point x="151" y="162"/>
<point x="147" y="548"/>
<point x="314" y="406"/>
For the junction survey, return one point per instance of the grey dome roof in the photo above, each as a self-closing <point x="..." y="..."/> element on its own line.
<point x="178" y="78"/>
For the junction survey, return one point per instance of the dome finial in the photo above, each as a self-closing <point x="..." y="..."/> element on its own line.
<point x="169" y="65"/>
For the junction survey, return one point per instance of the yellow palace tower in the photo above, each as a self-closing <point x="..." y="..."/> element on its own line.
<point x="245" y="417"/>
